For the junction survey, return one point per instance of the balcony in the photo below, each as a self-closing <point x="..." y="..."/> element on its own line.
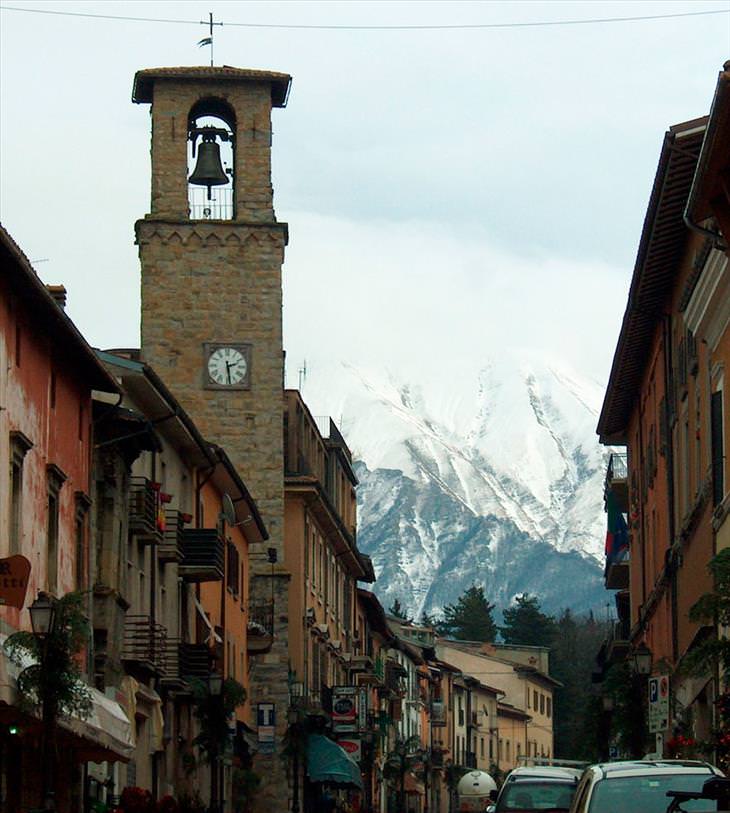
<point x="143" y="503"/>
<point x="169" y="548"/>
<point x="144" y="644"/>
<point x="617" y="572"/>
<point x="617" y="480"/>
<point x="394" y="674"/>
<point x="617" y="644"/>
<point x="202" y="555"/>
<point x="183" y="662"/>
<point x="260" y="627"/>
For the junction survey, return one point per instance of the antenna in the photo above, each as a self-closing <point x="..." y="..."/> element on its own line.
<point x="302" y="375"/>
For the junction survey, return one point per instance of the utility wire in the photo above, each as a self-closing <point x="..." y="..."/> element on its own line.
<point x="315" y="27"/>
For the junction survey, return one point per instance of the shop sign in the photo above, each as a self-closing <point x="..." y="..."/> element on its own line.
<point x="362" y="708"/>
<point x="14" y="573"/>
<point x="351" y="747"/>
<point x="658" y="704"/>
<point x="344" y="708"/>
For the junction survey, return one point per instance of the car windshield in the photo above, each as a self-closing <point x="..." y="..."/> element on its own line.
<point x="536" y="795"/>
<point x="647" y="794"/>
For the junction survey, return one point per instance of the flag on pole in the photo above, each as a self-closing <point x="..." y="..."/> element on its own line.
<point x="205" y="41"/>
<point x="617" y="533"/>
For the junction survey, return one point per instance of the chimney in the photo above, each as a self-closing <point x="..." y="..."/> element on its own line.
<point x="58" y="292"/>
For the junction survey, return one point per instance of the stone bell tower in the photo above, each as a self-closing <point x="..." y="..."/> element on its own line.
<point x="211" y="256"/>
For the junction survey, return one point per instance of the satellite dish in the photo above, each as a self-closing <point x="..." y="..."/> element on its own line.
<point x="228" y="509"/>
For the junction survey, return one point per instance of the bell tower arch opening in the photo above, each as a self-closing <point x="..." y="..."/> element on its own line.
<point x="211" y="160"/>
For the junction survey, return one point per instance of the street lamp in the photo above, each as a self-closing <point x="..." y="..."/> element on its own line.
<point x="215" y="691"/>
<point x="43" y="621"/>
<point x="43" y="615"/>
<point x="641" y="659"/>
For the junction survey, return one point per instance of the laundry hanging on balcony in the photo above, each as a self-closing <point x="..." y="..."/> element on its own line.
<point x="617" y="533"/>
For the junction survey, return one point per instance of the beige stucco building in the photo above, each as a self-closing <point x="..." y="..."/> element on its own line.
<point x="524" y="685"/>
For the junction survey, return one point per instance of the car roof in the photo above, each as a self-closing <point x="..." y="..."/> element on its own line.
<point x="548" y="772"/>
<point x="653" y="767"/>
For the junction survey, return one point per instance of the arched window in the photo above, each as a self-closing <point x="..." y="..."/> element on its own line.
<point x="211" y="160"/>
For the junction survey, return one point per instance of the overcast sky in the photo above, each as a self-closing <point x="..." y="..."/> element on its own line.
<point x="449" y="192"/>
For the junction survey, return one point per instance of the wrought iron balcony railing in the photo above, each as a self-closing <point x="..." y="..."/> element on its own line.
<point x="203" y="555"/>
<point x="260" y="626"/>
<point x="143" y="508"/>
<point x="170" y="548"/>
<point x="145" y="643"/>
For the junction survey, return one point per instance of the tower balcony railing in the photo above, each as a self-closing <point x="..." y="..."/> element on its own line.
<point x="219" y="207"/>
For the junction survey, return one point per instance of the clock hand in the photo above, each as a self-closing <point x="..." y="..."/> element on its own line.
<point x="228" y="371"/>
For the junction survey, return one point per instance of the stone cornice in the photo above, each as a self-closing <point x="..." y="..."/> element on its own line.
<point x="209" y="232"/>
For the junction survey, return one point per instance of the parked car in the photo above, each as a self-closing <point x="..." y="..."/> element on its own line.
<point x="641" y="786"/>
<point x="538" y="789"/>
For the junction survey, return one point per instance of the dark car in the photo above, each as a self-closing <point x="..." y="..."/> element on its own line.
<point x="544" y="789"/>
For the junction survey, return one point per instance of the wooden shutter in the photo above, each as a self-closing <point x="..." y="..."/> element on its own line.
<point x="716" y="446"/>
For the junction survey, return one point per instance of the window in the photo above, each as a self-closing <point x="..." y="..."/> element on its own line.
<point x="232" y="567"/>
<point x="542" y="703"/>
<point x="56" y="479"/>
<point x="534" y="699"/>
<point x="549" y="706"/>
<point x="82" y="510"/>
<point x="481" y="746"/>
<point x="19" y="447"/>
<point x="716" y="447"/>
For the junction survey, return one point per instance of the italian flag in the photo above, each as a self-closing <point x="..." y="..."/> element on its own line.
<point x="617" y="533"/>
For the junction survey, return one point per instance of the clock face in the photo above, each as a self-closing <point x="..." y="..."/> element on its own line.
<point x="227" y="367"/>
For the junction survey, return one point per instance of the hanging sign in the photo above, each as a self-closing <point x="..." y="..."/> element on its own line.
<point x="351" y="747"/>
<point x="362" y="708"/>
<point x="14" y="573"/>
<point x="344" y="708"/>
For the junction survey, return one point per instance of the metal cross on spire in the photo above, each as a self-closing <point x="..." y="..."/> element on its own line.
<point x="209" y="39"/>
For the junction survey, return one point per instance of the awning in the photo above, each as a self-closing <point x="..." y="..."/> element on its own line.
<point x="104" y="736"/>
<point x="327" y="762"/>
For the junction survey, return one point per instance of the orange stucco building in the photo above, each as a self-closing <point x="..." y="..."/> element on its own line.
<point x="666" y="402"/>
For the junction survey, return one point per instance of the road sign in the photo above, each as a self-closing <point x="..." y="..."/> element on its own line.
<point x="658" y="704"/>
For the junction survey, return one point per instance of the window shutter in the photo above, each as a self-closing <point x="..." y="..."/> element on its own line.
<point x="718" y="485"/>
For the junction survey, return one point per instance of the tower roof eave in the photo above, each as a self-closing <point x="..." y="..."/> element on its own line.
<point x="144" y="80"/>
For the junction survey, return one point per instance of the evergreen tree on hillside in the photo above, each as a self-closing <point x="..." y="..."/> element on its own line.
<point x="470" y="619"/>
<point x="398" y="611"/>
<point x="427" y="620"/>
<point x="526" y="624"/>
<point x="576" y="704"/>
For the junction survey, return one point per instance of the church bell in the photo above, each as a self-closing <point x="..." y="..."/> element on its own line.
<point x="208" y="167"/>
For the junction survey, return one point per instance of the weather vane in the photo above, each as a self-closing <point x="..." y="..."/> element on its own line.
<point x="209" y="39"/>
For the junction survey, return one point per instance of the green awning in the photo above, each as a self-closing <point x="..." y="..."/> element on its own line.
<point x="327" y="762"/>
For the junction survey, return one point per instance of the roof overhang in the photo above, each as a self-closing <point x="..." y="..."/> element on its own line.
<point x="712" y="179"/>
<point x="144" y="80"/>
<point x="662" y="241"/>
<point x="67" y="339"/>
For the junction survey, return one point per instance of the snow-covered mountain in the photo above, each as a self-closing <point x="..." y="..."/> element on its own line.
<point x="490" y="475"/>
